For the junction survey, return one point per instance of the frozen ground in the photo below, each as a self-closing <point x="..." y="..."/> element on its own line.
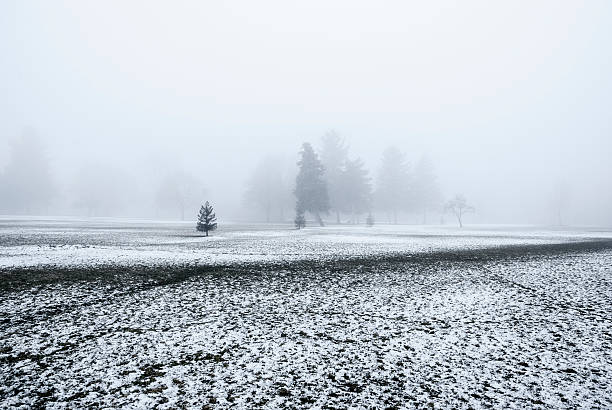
<point x="99" y="314"/>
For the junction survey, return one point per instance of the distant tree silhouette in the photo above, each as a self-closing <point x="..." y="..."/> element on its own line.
<point x="355" y="190"/>
<point x="267" y="190"/>
<point x="334" y="153"/>
<point x="207" y="220"/>
<point x="560" y="199"/>
<point x="459" y="207"/>
<point x="370" y="219"/>
<point x="310" y="186"/>
<point x="425" y="189"/>
<point x="300" y="220"/>
<point x="178" y="191"/>
<point x="26" y="185"/>
<point x="98" y="187"/>
<point x="393" y="182"/>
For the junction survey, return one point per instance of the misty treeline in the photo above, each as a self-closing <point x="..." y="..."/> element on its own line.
<point x="28" y="186"/>
<point x="345" y="191"/>
<point x="332" y="184"/>
<point x="326" y="183"/>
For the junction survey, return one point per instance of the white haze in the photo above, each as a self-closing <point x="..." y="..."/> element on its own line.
<point x="508" y="99"/>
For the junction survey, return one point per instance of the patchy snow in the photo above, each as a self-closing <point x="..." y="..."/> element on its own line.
<point x="98" y="243"/>
<point x="516" y="331"/>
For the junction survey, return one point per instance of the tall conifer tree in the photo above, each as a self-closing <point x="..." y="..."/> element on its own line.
<point x="310" y="187"/>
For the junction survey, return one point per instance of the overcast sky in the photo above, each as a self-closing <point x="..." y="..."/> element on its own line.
<point x="505" y="97"/>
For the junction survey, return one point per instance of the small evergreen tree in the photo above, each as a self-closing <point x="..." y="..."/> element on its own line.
<point x="207" y="220"/>
<point x="300" y="220"/>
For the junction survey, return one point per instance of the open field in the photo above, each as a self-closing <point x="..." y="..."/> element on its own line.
<point x="132" y="314"/>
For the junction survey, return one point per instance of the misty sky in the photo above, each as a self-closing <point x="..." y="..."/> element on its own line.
<point x="507" y="98"/>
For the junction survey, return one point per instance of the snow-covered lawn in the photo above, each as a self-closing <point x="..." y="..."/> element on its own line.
<point x="333" y="317"/>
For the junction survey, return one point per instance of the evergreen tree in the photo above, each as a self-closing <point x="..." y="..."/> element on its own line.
<point x="310" y="187"/>
<point x="207" y="220"/>
<point x="393" y="182"/>
<point x="334" y="152"/>
<point x="300" y="220"/>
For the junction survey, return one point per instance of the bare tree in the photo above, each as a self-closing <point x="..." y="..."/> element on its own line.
<point x="459" y="207"/>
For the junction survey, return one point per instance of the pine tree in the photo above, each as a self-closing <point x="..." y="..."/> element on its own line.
<point x="310" y="187"/>
<point x="207" y="220"/>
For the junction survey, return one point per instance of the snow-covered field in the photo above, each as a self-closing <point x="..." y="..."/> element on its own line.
<point x="133" y="314"/>
<point x="57" y="243"/>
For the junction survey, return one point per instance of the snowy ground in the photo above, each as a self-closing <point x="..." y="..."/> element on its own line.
<point x="103" y="314"/>
<point x="61" y="243"/>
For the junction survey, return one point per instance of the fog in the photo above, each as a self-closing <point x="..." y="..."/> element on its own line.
<point x="130" y="108"/>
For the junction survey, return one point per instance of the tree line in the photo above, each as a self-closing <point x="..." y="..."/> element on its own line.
<point x="331" y="183"/>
